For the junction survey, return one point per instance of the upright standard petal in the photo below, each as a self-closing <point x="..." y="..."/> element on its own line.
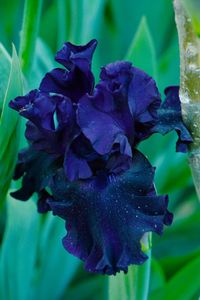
<point x="106" y="217"/>
<point x="78" y="78"/>
<point x="122" y="110"/>
<point x="80" y="56"/>
<point x="105" y="125"/>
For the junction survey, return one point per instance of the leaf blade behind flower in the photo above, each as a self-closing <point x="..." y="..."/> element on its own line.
<point x="4" y="73"/>
<point x="18" y="250"/>
<point x="142" y="52"/>
<point x="9" y="127"/>
<point x="183" y="285"/>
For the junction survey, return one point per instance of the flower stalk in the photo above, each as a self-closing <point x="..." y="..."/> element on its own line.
<point x="189" y="44"/>
<point x="142" y="273"/>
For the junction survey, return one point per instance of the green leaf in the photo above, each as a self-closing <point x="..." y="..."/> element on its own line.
<point x="183" y="238"/>
<point x="172" y="170"/>
<point x="5" y="62"/>
<point x="126" y="16"/>
<point x="29" y="32"/>
<point x="18" y="251"/>
<point x="131" y="286"/>
<point x="86" y="289"/>
<point x="86" y="18"/>
<point x="168" y="65"/>
<point x="141" y="52"/>
<point x="185" y="283"/>
<point x="55" y="264"/>
<point x="157" y="279"/>
<point x="121" y="286"/>
<point x="9" y="127"/>
<point x="43" y="63"/>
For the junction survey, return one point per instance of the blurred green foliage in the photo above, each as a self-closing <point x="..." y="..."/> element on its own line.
<point x="33" y="264"/>
<point x="193" y="9"/>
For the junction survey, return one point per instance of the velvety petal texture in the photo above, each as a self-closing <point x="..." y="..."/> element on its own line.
<point x="106" y="217"/>
<point x="36" y="168"/>
<point x="170" y="118"/>
<point x="81" y="159"/>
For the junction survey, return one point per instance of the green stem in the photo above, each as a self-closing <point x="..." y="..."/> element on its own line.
<point x="142" y="278"/>
<point x="30" y="26"/>
<point x="189" y="45"/>
<point x="135" y="284"/>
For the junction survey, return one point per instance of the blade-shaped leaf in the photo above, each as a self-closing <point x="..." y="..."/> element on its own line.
<point x="55" y="264"/>
<point x="9" y="127"/>
<point x="18" y="251"/>
<point x="43" y="63"/>
<point x="141" y="51"/>
<point x="131" y="286"/>
<point x="86" y="18"/>
<point x="5" y="62"/>
<point x="184" y="285"/>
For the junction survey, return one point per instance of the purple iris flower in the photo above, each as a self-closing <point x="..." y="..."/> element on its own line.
<point x="82" y="159"/>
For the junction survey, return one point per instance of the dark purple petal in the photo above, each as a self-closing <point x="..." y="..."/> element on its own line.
<point x="38" y="139"/>
<point x="170" y="118"/>
<point x="76" y="167"/>
<point x="36" y="168"/>
<point x="72" y="84"/>
<point x="37" y="107"/>
<point x="118" y="163"/>
<point x="65" y="113"/>
<point x="106" y="222"/>
<point x="106" y="126"/>
<point x="122" y="110"/>
<point x="42" y="204"/>
<point x="135" y="86"/>
<point x="52" y="121"/>
<point x="21" y="102"/>
<point x="144" y="101"/>
<point x="143" y="92"/>
<point x="117" y="76"/>
<point x="80" y="56"/>
<point x="78" y="79"/>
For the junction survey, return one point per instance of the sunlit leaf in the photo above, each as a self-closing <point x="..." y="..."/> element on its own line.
<point x="141" y="51"/>
<point x="55" y="264"/>
<point x="131" y="286"/>
<point x="9" y="127"/>
<point x="18" y="251"/>
<point x="86" y="18"/>
<point x="43" y="63"/>
<point x="5" y="62"/>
